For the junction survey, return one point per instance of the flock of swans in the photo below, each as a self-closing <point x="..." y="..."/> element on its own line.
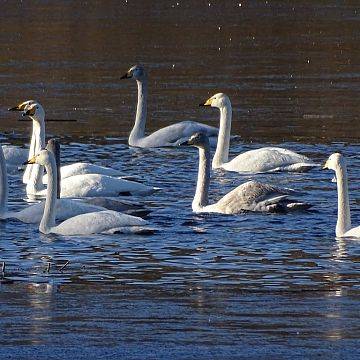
<point x="88" y="192"/>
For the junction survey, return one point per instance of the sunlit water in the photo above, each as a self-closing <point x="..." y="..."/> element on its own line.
<point x="252" y="285"/>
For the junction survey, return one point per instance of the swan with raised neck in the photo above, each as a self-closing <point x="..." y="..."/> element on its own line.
<point x="250" y="196"/>
<point x="170" y="135"/>
<point x="267" y="159"/>
<point x="337" y="163"/>
<point x="33" y="173"/>
<point x="107" y="221"/>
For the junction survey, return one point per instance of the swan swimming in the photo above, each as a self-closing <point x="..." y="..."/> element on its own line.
<point x="170" y="135"/>
<point x="107" y="221"/>
<point x="65" y="208"/>
<point x="14" y="155"/>
<point x="250" y="196"/>
<point x="267" y="159"/>
<point x="80" y="185"/>
<point x="337" y="163"/>
<point x="36" y="112"/>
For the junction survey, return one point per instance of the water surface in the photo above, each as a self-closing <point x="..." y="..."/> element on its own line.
<point x="251" y="286"/>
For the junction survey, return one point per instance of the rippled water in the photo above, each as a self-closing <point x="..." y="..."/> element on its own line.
<point x="253" y="285"/>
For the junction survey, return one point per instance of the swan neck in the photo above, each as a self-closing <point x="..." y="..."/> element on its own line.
<point x="3" y="184"/>
<point x="48" y="219"/>
<point x="138" y="131"/>
<point x="34" y="173"/>
<point x="344" y="219"/>
<point x="202" y="187"/>
<point x="222" y="149"/>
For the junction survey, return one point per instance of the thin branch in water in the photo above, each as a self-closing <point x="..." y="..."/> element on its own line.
<point x="64" y="266"/>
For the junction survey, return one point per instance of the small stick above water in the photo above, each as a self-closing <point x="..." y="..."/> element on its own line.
<point x="64" y="266"/>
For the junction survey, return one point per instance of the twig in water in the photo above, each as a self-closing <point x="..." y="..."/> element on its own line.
<point x="64" y="266"/>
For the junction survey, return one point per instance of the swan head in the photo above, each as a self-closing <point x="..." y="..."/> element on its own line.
<point x="198" y="140"/>
<point x="42" y="158"/>
<point x="334" y="162"/>
<point x="137" y="72"/>
<point x="218" y="100"/>
<point x="34" y="110"/>
<point x="22" y="106"/>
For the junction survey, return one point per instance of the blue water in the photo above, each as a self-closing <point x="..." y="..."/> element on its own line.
<point x="252" y="286"/>
<point x="201" y="280"/>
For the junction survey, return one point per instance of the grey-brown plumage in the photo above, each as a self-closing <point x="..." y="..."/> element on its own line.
<point x="255" y="196"/>
<point x="250" y="196"/>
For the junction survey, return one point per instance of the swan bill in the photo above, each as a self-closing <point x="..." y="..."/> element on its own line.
<point x="30" y="161"/>
<point x="207" y="102"/>
<point x="325" y="166"/>
<point x="126" y="76"/>
<point x="22" y="106"/>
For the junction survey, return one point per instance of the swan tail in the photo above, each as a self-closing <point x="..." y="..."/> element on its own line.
<point x="284" y="207"/>
<point x="299" y="167"/>
<point x="295" y="206"/>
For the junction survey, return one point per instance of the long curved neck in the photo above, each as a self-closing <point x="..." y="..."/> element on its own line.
<point x="222" y="149"/>
<point x="48" y="219"/>
<point x="344" y="219"/>
<point x="138" y="131"/>
<point x="202" y="187"/>
<point x="3" y="184"/>
<point x="34" y="173"/>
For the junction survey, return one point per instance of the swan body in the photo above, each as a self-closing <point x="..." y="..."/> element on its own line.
<point x="82" y="168"/>
<point x="14" y="155"/>
<point x="337" y="163"/>
<point x="168" y="136"/>
<point x="92" y="185"/>
<point x="250" y="196"/>
<point x="65" y="208"/>
<point x="106" y="221"/>
<point x="267" y="159"/>
<point x="33" y="175"/>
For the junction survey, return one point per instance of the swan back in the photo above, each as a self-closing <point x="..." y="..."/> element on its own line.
<point x="95" y="223"/>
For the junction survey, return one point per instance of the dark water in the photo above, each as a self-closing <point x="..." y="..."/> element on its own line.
<point x="204" y="286"/>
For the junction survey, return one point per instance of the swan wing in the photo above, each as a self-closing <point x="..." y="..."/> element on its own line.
<point x="269" y="159"/>
<point x="251" y="196"/>
<point x="65" y="208"/>
<point x="81" y="168"/>
<point x="353" y="233"/>
<point x="98" y="222"/>
<point x="92" y="185"/>
<point x="173" y="134"/>
<point x="15" y="155"/>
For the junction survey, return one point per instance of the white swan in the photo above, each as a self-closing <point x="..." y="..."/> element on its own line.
<point x="14" y="155"/>
<point x="267" y="159"/>
<point x="65" y="208"/>
<point x="93" y="185"/>
<point x="108" y="221"/>
<point x="83" y="185"/>
<point x="36" y="112"/>
<point x="168" y="136"/>
<point x="250" y="196"/>
<point x="337" y="163"/>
